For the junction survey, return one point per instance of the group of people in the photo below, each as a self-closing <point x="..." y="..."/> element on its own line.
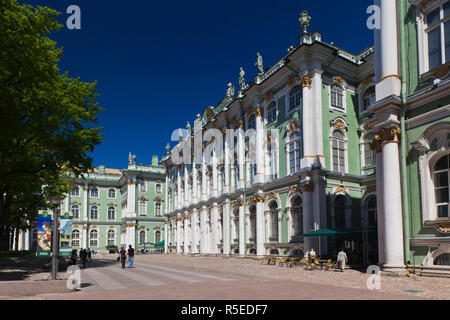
<point x="84" y="256"/>
<point x="341" y="258"/>
<point x="124" y="254"/>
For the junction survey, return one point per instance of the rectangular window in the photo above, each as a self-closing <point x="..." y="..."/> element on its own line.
<point x="142" y="186"/>
<point x="143" y="208"/>
<point x="438" y="34"/>
<point x="75" y="243"/>
<point x="75" y="192"/>
<point x="337" y="97"/>
<point x="93" y="243"/>
<point x="157" y="209"/>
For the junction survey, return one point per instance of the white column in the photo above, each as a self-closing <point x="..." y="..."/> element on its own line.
<point x="179" y="233"/>
<point x="241" y="228"/>
<point x="214" y="175"/>
<point x="194" y="184"/>
<point x="380" y="208"/>
<point x="386" y="48"/>
<point x="214" y="228"/>
<point x="193" y="231"/>
<point x="204" y="185"/>
<point x="226" y="228"/>
<point x="180" y="199"/>
<point x="186" y="186"/>
<point x="83" y="241"/>
<point x="227" y="184"/>
<point x="392" y="203"/>
<point x="241" y="159"/>
<point x="186" y="234"/>
<point x="309" y="131"/>
<point x="131" y="212"/>
<point x="259" y="178"/>
<point x="260" y="234"/>
<point x="203" y="214"/>
<point x="319" y="158"/>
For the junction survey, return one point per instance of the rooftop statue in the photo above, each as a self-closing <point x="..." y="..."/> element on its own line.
<point x="241" y="79"/>
<point x="168" y="148"/>
<point x="304" y="20"/>
<point x="230" y="90"/>
<point x="188" y="128"/>
<point x="130" y="158"/>
<point x="259" y="64"/>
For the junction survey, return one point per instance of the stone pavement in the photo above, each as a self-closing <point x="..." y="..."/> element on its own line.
<point x="174" y="277"/>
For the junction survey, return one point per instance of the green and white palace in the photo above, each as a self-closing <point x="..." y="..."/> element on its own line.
<point x="112" y="208"/>
<point x="352" y="149"/>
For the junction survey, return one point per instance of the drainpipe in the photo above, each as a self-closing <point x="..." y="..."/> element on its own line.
<point x="406" y="220"/>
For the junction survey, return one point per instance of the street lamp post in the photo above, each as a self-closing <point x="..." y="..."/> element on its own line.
<point x="56" y="202"/>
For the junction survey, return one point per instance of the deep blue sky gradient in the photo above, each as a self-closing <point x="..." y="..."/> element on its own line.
<point x="158" y="64"/>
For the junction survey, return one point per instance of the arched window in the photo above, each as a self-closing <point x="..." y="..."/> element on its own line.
<point x="297" y="216"/>
<point x="94" y="212"/>
<point x="337" y="96"/>
<point x="441" y="177"/>
<point x="75" y="211"/>
<point x="158" y="188"/>
<point x="339" y="211"/>
<point x="111" y="213"/>
<point x="294" y="150"/>
<point x="272" y="112"/>
<point x="142" y="236"/>
<point x="157" y="236"/>
<point x="252" y="122"/>
<point x="368" y="98"/>
<point x="273" y="208"/>
<point x="372" y="212"/>
<point x="252" y="218"/>
<point x="93" y="241"/>
<point x="111" y="238"/>
<point x="94" y="192"/>
<point x="338" y="151"/>
<point x="111" y="193"/>
<point x="369" y="154"/>
<point x="295" y="98"/>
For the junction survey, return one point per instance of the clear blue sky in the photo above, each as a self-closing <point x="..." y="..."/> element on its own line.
<point x="158" y="64"/>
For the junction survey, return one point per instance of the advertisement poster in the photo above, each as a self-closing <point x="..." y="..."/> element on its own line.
<point x="65" y="234"/>
<point x="44" y="240"/>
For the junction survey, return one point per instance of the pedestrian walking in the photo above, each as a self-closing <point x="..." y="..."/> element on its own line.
<point x="73" y="258"/>
<point x="342" y="259"/>
<point x="123" y="256"/>
<point x="84" y="258"/>
<point x="130" y="256"/>
<point x="306" y="256"/>
<point x="89" y="255"/>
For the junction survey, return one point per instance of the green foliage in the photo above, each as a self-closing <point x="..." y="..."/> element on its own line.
<point x="46" y="117"/>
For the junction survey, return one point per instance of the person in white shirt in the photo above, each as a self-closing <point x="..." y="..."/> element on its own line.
<point x="306" y="256"/>
<point x="312" y="254"/>
<point x="342" y="259"/>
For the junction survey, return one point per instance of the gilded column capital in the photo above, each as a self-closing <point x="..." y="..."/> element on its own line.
<point x="385" y="135"/>
<point x="306" y="81"/>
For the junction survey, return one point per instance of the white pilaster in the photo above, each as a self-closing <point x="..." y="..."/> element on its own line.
<point x="308" y="217"/>
<point x="309" y="131"/>
<point x="241" y="229"/>
<point x="259" y="178"/>
<point x="260" y="234"/>
<point x="226" y="228"/>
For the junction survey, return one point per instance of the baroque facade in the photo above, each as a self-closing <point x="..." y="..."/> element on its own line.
<point x="287" y="155"/>
<point x="411" y="123"/>
<point x="112" y="208"/>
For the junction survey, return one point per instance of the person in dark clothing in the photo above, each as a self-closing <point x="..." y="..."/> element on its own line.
<point x="73" y="258"/>
<point x="130" y="257"/>
<point x="89" y="255"/>
<point x="84" y="258"/>
<point x="123" y="256"/>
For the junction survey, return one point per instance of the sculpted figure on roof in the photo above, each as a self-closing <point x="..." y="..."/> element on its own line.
<point x="241" y="79"/>
<point x="259" y="64"/>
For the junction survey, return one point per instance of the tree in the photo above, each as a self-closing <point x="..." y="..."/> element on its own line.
<point x="46" y="117"/>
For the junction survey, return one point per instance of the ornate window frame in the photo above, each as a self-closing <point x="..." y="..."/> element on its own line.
<point x="427" y="160"/>
<point x="424" y="8"/>
<point x="340" y="125"/>
<point x="339" y="82"/>
<point x="292" y="127"/>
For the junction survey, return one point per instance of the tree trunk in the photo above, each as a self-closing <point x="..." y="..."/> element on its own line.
<point x="16" y="242"/>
